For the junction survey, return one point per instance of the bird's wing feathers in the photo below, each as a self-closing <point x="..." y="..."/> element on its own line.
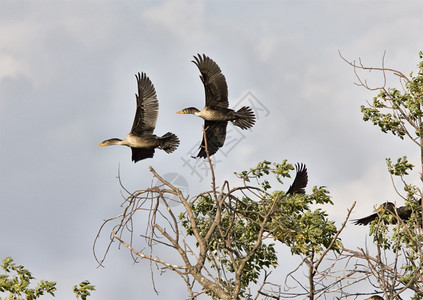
<point x="147" y="106"/>
<point x="214" y="81"/>
<point x="142" y="153"/>
<point x="384" y="208"/>
<point x="215" y="135"/>
<point x="402" y="212"/>
<point x="300" y="181"/>
<point x="366" y="220"/>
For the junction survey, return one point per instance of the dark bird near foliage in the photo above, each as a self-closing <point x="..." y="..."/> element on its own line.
<point x="402" y="212"/>
<point x="141" y="138"/>
<point x="216" y="113"/>
<point x="300" y="181"/>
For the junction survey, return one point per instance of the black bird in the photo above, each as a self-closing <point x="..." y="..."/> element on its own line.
<point x="402" y="212"/>
<point x="300" y="181"/>
<point x="216" y="113"/>
<point x="141" y="138"/>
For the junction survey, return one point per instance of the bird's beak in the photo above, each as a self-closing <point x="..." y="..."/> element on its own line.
<point x="380" y="209"/>
<point x="101" y="145"/>
<point x="180" y="112"/>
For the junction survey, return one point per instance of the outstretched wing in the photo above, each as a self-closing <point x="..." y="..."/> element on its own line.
<point x="366" y="220"/>
<point x="300" y="181"/>
<point x="215" y="135"/>
<point x="214" y="81"/>
<point x="141" y="153"/>
<point x="386" y="207"/>
<point x="147" y="107"/>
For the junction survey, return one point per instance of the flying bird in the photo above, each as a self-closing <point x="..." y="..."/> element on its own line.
<point x="141" y="139"/>
<point x="300" y="181"/>
<point x="403" y="212"/>
<point x="216" y="113"/>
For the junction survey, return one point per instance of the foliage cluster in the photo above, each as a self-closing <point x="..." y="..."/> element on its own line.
<point x="17" y="283"/>
<point x="17" y="279"/>
<point x="254" y="218"/>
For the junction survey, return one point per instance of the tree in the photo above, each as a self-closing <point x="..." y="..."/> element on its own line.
<point x="397" y="264"/>
<point x="17" y="279"/>
<point x="18" y="285"/>
<point x="225" y="237"/>
<point x="83" y="289"/>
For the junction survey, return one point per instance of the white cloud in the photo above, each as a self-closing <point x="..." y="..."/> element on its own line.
<point x="184" y="19"/>
<point x="9" y="67"/>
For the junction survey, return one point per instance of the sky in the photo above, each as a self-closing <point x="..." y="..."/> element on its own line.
<point x="67" y="83"/>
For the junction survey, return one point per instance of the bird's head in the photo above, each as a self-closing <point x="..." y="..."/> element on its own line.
<point x="387" y="206"/>
<point x="114" y="141"/>
<point x="188" y="110"/>
<point x="388" y="212"/>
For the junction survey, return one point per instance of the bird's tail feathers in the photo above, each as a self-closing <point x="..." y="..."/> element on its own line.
<point x="169" y="142"/>
<point x="245" y="118"/>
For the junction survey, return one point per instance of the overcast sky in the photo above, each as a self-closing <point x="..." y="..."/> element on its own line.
<point x="67" y="83"/>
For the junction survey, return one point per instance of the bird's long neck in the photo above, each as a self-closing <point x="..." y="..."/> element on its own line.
<point x="113" y="141"/>
<point x="191" y="110"/>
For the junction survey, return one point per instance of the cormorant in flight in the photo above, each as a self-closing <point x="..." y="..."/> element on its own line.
<point x="141" y="138"/>
<point x="216" y="113"/>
